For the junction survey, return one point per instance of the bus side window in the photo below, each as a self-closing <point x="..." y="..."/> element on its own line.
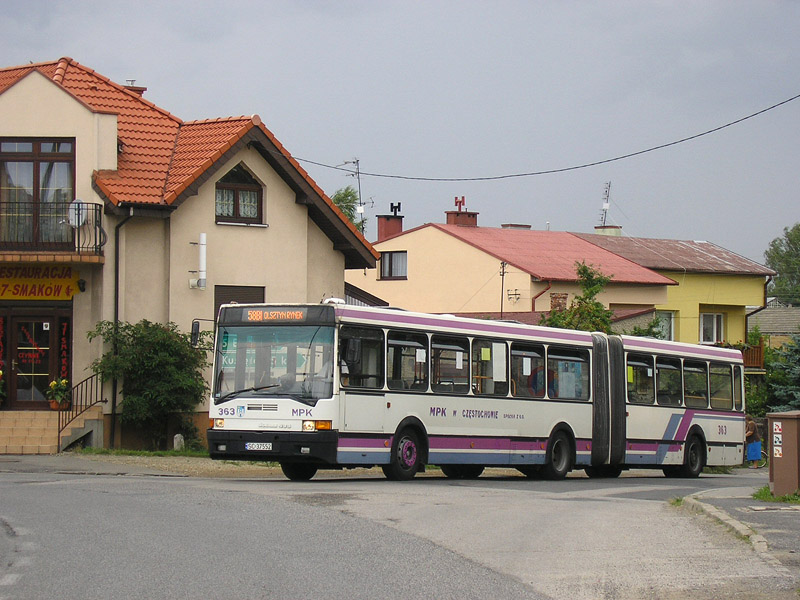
<point x="567" y="373"/>
<point x="527" y="371"/>
<point x="449" y="364"/>
<point x="641" y="379"/>
<point x="361" y="357"/>
<point x="669" y="384"/>
<point x="695" y="384"/>
<point x="721" y="387"/>
<point x="407" y="361"/>
<point x="489" y="368"/>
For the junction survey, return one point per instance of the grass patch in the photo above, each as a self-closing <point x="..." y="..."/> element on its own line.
<point x="677" y="501"/>
<point x="765" y="495"/>
<point x="121" y="452"/>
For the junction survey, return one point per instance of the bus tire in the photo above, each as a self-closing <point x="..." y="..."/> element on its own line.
<point x="603" y="472"/>
<point x="406" y="457"/>
<point x="694" y="458"/>
<point x="462" y="471"/>
<point x="558" y="459"/>
<point x="298" y="471"/>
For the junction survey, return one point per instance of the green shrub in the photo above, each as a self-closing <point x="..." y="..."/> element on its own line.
<point x="161" y="374"/>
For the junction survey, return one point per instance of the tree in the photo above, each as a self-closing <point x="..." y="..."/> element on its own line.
<point x="347" y="201"/>
<point x="585" y="312"/>
<point x="783" y="376"/>
<point x="161" y="374"/>
<point x="783" y="256"/>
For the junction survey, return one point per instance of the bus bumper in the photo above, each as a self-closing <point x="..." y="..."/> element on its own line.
<point x="314" y="447"/>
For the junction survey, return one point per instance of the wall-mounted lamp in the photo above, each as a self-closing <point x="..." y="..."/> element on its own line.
<point x="513" y="295"/>
<point x="82" y="285"/>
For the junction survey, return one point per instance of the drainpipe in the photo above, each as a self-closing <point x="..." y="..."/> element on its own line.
<point x="116" y="324"/>
<point x="536" y="297"/>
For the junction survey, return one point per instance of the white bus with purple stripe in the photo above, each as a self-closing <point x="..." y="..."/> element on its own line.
<point x="335" y="386"/>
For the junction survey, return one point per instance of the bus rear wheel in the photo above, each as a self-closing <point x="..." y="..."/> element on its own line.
<point x="298" y="471"/>
<point x="558" y="460"/>
<point x="462" y="471"/>
<point x="405" y="459"/>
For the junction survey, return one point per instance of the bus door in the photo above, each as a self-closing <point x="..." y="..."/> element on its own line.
<point x="608" y="414"/>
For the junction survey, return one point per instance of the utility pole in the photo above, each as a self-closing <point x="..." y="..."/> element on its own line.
<point x="503" y="265"/>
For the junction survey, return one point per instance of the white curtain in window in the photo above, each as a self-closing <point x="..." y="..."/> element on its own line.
<point x="248" y="204"/>
<point x="224" y="203"/>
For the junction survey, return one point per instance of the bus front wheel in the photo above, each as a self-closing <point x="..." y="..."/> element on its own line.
<point x="405" y="460"/>
<point x="558" y="459"/>
<point x="693" y="459"/>
<point x="298" y="471"/>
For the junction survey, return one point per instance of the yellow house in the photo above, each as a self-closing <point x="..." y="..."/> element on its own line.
<point x="112" y="208"/>
<point x="714" y="285"/>
<point x="509" y="272"/>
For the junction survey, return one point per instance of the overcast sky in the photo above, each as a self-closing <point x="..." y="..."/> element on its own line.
<point x="480" y="89"/>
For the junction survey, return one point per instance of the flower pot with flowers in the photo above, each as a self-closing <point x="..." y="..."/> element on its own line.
<point x="59" y="394"/>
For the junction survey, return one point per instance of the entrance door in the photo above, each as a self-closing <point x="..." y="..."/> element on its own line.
<point x="32" y="360"/>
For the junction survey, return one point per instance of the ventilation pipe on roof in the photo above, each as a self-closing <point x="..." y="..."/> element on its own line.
<point x="200" y="282"/>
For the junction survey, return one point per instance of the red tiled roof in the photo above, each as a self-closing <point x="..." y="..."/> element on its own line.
<point x="551" y="255"/>
<point x="162" y="157"/>
<point x="677" y="255"/>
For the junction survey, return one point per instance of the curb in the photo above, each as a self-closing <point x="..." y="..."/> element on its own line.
<point x="758" y="541"/>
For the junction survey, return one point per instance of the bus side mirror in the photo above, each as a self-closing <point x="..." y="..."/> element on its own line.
<point x="195" y="333"/>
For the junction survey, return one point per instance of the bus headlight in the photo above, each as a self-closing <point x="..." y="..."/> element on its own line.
<point x="316" y="425"/>
<point x="219" y="423"/>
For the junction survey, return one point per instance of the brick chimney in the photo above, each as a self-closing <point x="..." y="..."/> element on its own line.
<point x="609" y="230"/>
<point x="515" y="226"/>
<point x="389" y="225"/>
<point x="131" y="86"/>
<point x="465" y="218"/>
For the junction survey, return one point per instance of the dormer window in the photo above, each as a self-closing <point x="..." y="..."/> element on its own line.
<point x="239" y="198"/>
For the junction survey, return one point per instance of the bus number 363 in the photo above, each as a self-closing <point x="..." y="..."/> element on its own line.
<point x="227" y="411"/>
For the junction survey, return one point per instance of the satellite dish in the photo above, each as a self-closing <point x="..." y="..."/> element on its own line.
<point x="76" y="213"/>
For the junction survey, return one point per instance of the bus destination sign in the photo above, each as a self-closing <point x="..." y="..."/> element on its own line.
<point x="258" y="315"/>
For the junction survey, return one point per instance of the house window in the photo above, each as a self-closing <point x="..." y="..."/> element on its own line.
<point x="711" y="328"/>
<point x="394" y="265"/>
<point x="239" y="198"/>
<point x="36" y="187"/>
<point x="666" y="324"/>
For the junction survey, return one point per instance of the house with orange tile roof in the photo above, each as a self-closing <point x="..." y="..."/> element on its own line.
<point x="111" y="208"/>
<point x="508" y="272"/>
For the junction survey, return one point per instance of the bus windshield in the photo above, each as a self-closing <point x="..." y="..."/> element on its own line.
<point x="289" y="360"/>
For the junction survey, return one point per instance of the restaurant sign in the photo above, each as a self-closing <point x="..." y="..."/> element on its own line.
<point x="38" y="282"/>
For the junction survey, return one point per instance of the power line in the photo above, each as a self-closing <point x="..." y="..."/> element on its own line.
<point x="562" y="169"/>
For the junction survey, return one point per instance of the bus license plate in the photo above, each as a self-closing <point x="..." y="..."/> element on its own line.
<point x="258" y="446"/>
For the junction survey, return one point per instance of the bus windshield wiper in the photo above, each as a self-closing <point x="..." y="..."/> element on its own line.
<point x="234" y="393"/>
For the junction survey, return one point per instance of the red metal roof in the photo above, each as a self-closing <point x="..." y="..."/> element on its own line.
<point x="551" y="255"/>
<point x="677" y="255"/>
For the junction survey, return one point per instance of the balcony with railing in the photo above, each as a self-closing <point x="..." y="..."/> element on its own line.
<point x="52" y="228"/>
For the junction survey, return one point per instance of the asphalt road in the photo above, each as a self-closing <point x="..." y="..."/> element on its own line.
<point x="106" y="531"/>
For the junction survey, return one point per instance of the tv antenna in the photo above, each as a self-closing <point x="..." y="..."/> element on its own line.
<point x="606" y="204"/>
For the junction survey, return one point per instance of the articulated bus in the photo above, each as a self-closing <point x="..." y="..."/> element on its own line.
<point x="333" y="386"/>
